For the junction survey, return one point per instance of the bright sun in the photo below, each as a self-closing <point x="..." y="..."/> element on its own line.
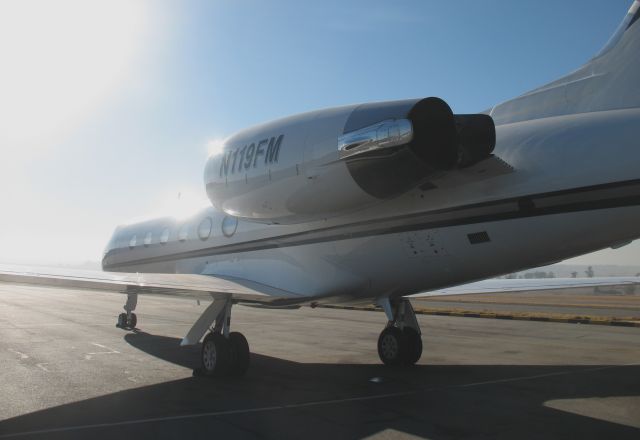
<point x="59" y="58"/>
<point x="61" y="61"/>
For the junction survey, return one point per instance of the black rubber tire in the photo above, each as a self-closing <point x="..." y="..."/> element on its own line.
<point x="239" y="354"/>
<point x="220" y="365"/>
<point x="133" y="321"/>
<point x="412" y="346"/>
<point x="122" y="320"/>
<point x="391" y="346"/>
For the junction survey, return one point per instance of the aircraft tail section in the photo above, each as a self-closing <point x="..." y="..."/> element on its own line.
<point x="632" y="16"/>
<point x="609" y="81"/>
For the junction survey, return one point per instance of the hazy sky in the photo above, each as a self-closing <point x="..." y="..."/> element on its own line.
<point x="107" y="108"/>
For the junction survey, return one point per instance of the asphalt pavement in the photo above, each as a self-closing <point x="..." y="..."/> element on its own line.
<point x="66" y="372"/>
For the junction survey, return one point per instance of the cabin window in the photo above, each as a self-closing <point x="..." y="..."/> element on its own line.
<point x="183" y="233"/>
<point x="132" y="242"/>
<point x="229" y="225"/>
<point x="204" y="230"/>
<point x="164" y="237"/>
<point x="147" y="239"/>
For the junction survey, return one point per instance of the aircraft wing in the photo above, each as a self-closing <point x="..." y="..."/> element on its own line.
<point x="211" y="287"/>
<point x="626" y="284"/>
<point x="185" y="285"/>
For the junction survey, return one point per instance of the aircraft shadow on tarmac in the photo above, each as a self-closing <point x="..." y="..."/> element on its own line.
<point x="283" y="399"/>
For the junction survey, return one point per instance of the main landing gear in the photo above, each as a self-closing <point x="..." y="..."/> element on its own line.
<point x="400" y="342"/>
<point x="129" y="320"/>
<point x="224" y="353"/>
<point x="225" y="356"/>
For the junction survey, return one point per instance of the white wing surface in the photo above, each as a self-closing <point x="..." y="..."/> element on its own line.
<point x="212" y="287"/>
<point x="185" y="285"/>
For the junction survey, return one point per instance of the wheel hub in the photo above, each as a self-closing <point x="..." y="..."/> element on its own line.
<point x="209" y="356"/>
<point x="389" y="347"/>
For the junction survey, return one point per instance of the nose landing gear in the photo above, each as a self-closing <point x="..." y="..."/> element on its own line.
<point x="129" y="320"/>
<point x="400" y="342"/>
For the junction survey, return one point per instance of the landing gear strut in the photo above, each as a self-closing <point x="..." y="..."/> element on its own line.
<point x="129" y="320"/>
<point x="400" y="342"/>
<point x="223" y="353"/>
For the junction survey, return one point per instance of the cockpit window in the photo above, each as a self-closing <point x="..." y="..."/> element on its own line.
<point x="147" y="239"/>
<point x="132" y="242"/>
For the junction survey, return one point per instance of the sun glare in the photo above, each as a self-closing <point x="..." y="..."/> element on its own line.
<point x="184" y="203"/>
<point x="215" y="146"/>
<point x="180" y="204"/>
<point x="59" y="59"/>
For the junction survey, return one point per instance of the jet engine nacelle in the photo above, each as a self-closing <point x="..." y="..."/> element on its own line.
<point x="329" y="162"/>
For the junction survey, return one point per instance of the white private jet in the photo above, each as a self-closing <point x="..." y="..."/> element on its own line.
<point x="371" y="203"/>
